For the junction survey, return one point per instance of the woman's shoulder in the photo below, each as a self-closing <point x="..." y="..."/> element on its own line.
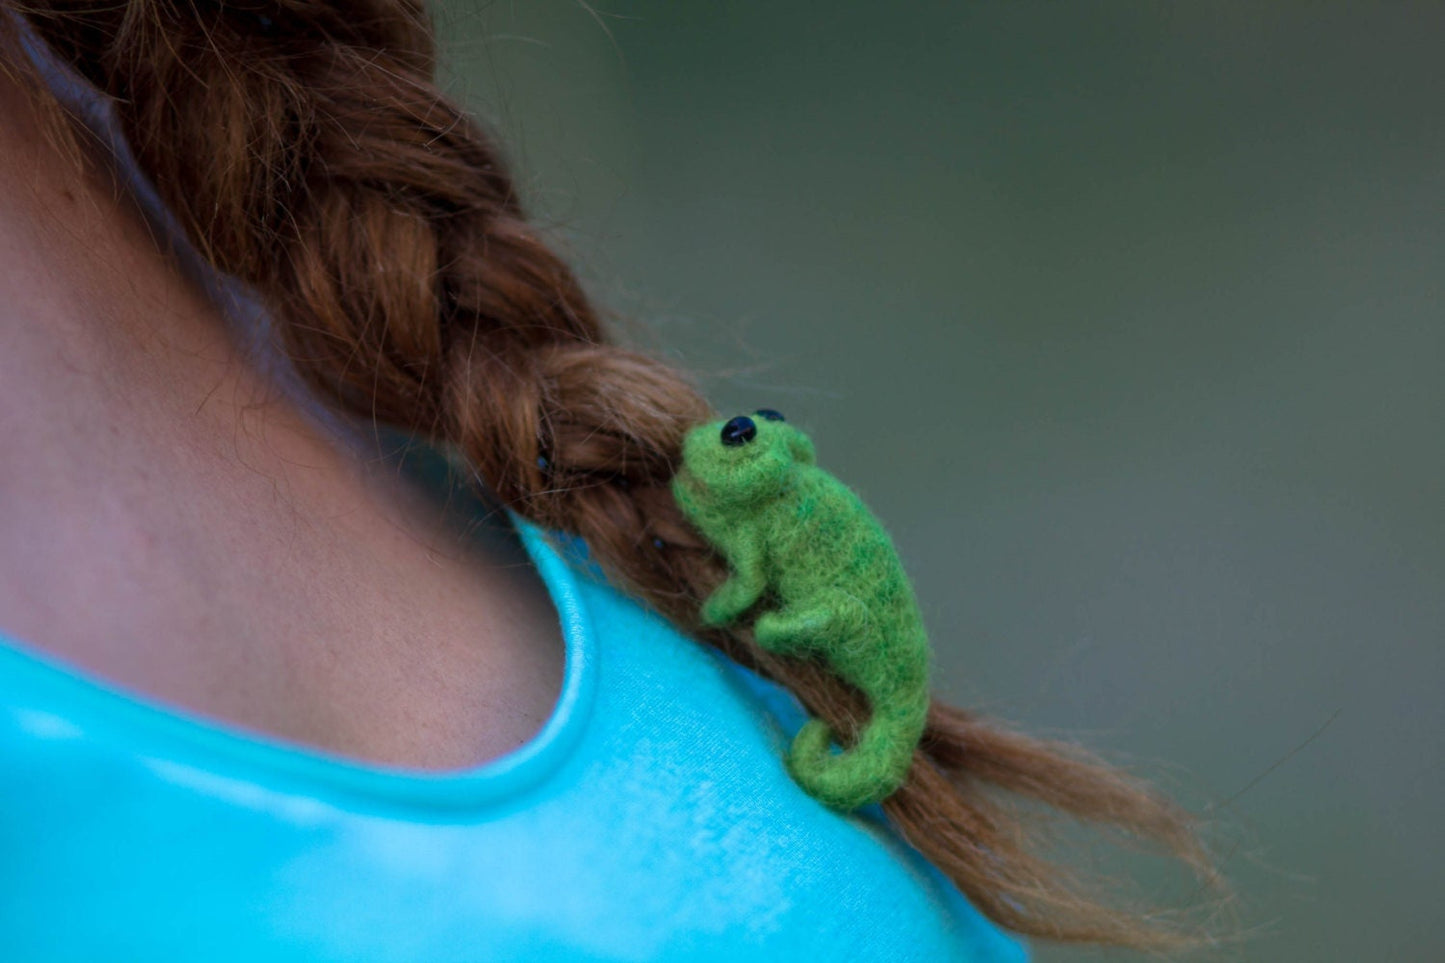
<point x="701" y="740"/>
<point x="651" y="818"/>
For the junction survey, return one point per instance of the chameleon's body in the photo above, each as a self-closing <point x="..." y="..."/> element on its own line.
<point x="822" y="580"/>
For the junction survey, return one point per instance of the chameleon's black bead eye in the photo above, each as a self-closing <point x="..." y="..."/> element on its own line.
<point x="770" y="414"/>
<point x="739" y="431"/>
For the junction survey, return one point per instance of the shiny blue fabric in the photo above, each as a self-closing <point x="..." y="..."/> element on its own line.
<point x="650" y="819"/>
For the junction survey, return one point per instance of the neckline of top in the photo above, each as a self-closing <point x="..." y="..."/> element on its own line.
<point x="204" y="742"/>
<point x="172" y="735"/>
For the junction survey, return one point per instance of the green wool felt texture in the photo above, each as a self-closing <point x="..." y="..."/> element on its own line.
<point x="820" y="579"/>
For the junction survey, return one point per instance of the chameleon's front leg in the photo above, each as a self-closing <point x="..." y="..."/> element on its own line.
<point x="742" y="589"/>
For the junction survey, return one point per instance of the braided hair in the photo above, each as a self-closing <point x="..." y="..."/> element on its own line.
<point x="305" y="148"/>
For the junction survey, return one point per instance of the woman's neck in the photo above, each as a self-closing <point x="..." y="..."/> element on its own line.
<point x="171" y="522"/>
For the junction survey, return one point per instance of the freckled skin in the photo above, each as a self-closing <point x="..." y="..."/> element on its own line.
<point x="820" y="579"/>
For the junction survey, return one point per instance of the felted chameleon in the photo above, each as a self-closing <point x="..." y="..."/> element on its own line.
<point x="827" y="583"/>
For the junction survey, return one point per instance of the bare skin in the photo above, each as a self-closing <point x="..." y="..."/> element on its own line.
<point x="170" y="524"/>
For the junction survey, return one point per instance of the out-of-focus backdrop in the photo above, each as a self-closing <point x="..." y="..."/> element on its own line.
<point x="1125" y="318"/>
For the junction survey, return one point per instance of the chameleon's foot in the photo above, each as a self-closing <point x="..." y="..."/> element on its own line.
<point x="790" y="633"/>
<point x="833" y="622"/>
<point x="728" y="601"/>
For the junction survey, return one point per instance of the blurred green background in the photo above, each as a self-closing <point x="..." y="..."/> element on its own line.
<point x="1124" y="317"/>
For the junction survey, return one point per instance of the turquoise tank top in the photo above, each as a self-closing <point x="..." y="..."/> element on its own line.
<point x="650" y="818"/>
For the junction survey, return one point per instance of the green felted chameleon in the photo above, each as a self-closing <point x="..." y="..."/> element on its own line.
<point x="827" y="584"/>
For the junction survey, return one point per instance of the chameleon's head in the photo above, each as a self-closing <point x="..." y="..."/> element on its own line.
<point x="739" y="461"/>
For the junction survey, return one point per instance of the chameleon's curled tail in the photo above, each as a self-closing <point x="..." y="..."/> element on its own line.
<point x="867" y="772"/>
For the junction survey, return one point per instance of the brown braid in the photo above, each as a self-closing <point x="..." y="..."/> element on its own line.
<point x="306" y="149"/>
